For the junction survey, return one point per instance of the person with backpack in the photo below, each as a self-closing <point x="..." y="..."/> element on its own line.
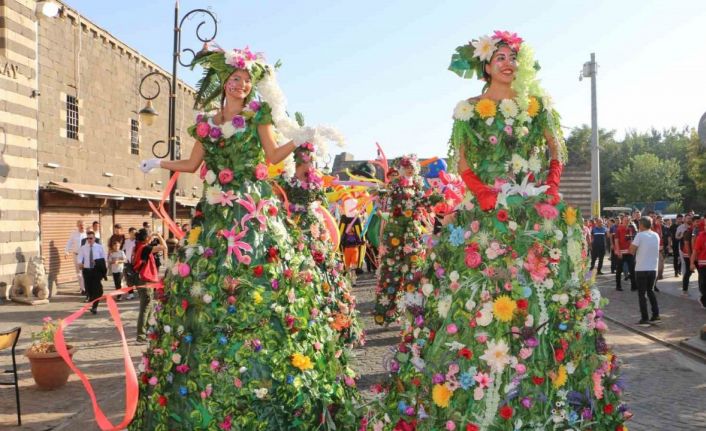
<point x="143" y="263"/>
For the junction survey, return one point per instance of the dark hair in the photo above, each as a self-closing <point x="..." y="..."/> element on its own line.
<point x="142" y="235"/>
<point x="646" y="222"/>
<point x="486" y="75"/>
<point x="131" y="230"/>
<point x="680" y="215"/>
<point x="95" y="222"/>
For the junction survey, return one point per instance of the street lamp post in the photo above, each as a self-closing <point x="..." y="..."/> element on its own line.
<point x="148" y="113"/>
<point x="590" y="69"/>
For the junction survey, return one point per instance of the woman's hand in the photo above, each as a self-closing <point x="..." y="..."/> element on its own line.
<point x="146" y="166"/>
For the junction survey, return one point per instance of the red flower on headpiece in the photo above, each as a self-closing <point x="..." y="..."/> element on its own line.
<point x="511" y="39"/>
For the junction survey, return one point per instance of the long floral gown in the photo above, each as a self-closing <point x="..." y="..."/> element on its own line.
<point x="306" y="199"/>
<point x="240" y="340"/>
<point x="511" y="337"/>
<point x="403" y="251"/>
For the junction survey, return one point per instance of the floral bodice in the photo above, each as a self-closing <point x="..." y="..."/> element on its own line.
<point x="234" y="146"/>
<point x="503" y="140"/>
<point x="302" y="193"/>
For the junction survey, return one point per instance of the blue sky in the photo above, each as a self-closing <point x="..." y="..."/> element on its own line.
<point x="377" y="69"/>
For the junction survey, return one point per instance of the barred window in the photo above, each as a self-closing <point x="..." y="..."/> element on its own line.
<point x="71" y="117"/>
<point x="177" y="148"/>
<point x="134" y="137"/>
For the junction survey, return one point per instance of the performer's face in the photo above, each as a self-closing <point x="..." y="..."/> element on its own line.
<point x="239" y="84"/>
<point x="502" y="65"/>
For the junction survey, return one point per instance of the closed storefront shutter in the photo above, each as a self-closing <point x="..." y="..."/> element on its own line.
<point x="56" y="226"/>
<point x="132" y="218"/>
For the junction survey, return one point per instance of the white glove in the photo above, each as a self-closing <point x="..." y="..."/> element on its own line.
<point x="147" y="165"/>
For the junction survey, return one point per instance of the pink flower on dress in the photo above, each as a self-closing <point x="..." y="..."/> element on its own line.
<point x="227" y="198"/>
<point x="475" y="226"/>
<point x="547" y="211"/>
<point x="184" y="270"/>
<point x="493" y="139"/>
<point x="254" y="105"/>
<point x="225" y="176"/>
<point x="260" y="171"/>
<point x="473" y="258"/>
<point x="202" y="130"/>
<point x="536" y="264"/>
<point x="202" y="172"/>
<point x="483" y="379"/>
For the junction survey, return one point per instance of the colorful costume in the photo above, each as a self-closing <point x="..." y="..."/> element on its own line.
<point x="511" y="337"/>
<point x="241" y="340"/>
<point x="403" y="251"/>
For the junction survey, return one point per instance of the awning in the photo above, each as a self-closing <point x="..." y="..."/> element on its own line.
<point x="116" y="193"/>
<point x="87" y="190"/>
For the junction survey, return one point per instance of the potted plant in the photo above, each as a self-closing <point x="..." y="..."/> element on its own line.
<point x="48" y="368"/>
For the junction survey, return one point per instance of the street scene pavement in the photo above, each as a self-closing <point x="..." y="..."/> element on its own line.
<point x="666" y="377"/>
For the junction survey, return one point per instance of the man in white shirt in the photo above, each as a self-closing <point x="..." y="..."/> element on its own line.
<point x="71" y="250"/>
<point x="91" y="260"/>
<point x="645" y="247"/>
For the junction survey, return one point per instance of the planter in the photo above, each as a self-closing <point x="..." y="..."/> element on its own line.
<point x="49" y="369"/>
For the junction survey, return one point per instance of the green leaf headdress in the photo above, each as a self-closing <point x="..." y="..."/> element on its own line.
<point x="219" y="65"/>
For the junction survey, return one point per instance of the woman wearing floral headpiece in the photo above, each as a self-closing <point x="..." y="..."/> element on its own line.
<point x="402" y="254"/>
<point x="311" y="225"/>
<point x="239" y="341"/>
<point x="512" y="332"/>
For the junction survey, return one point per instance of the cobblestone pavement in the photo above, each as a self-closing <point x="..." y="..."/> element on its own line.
<point x="666" y="389"/>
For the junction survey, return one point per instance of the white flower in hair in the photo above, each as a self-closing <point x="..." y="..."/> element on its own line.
<point x="484" y="47"/>
<point x="463" y="111"/>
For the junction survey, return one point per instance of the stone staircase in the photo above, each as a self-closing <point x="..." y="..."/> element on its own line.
<point x="575" y="188"/>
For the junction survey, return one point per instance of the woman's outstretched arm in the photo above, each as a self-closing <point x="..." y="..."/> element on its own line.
<point x="273" y="153"/>
<point x="186" y="165"/>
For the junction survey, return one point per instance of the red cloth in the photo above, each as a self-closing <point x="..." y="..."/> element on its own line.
<point x="553" y="179"/>
<point x="700" y="250"/>
<point x="621" y="234"/>
<point x="147" y="269"/>
<point x="486" y="196"/>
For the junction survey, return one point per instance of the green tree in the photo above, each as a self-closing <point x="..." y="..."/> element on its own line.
<point x="647" y="178"/>
<point x="578" y="143"/>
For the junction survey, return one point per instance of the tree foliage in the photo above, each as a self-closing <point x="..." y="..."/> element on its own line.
<point x="647" y="178"/>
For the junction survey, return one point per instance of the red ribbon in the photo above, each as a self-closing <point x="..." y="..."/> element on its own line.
<point x="163" y="214"/>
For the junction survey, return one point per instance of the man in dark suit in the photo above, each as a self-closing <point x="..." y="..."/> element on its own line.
<point x="91" y="260"/>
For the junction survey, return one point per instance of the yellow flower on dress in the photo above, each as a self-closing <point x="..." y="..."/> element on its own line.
<point x="302" y="362"/>
<point x="408" y="213"/>
<point x="379" y="319"/>
<point x="486" y="108"/>
<point x="257" y="297"/>
<point x="504" y="308"/>
<point x="570" y="215"/>
<point x="194" y="235"/>
<point x="533" y="107"/>
<point x="441" y="394"/>
<point x="559" y="379"/>
<point x="395" y="242"/>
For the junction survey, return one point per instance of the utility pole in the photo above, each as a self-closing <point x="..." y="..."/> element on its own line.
<point x="589" y="71"/>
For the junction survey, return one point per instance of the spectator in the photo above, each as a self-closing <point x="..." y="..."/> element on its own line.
<point x="623" y="238"/>
<point x="116" y="258"/>
<point x="185" y="228"/>
<point x="675" y="244"/>
<point x="117" y="236"/>
<point x="598" y="239"/>
<point x="144" y="264"/>
<point x="661" y="231"/>
<point x="128" y="248"/>
<point x="645" y="248"/>
<point x="684" y="234"/>
<point x="146" y="226"/>
<point x="91" y="260"/>
<point x="698" y="261"/>
<point x="97" y="231"/>
<point x="613" y="251"/>
<point x="72" y="247"/>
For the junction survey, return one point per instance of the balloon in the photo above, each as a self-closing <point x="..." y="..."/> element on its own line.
<point x="275" y="170"/>
<point x="330" y="224"/>
<point x="435" y="168"/>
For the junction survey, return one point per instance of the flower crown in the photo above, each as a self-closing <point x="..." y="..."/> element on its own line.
<point x="303" y="153"/>
<point x="409" y="161"/>
<point x="219" y="65"/>
<point x="470" y="59"/>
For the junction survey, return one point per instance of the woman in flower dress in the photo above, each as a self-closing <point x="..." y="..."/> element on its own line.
<point x="239" y="341"/>
<point x="512" y="333"/>
<point x="402" y="254"/>
<point x="311" y="224"/>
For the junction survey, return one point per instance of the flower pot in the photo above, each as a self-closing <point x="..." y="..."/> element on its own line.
<point x="49" y="369"/>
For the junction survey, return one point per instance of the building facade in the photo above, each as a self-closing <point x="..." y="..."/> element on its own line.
<point x="71" y="137"/>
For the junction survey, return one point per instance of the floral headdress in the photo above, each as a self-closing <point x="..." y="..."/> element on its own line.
<point x="409" y="161"/>
<point x="470" y="59"/>
<point x="219" y="65"/>
<point x="304" y="153"/>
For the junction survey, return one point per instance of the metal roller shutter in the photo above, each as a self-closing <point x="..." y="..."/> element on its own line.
<point x="56" y="225"/>
<point x="132" y="218"/>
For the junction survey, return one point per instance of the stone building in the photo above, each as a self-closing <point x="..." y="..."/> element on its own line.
<point x="71" y="138"/>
